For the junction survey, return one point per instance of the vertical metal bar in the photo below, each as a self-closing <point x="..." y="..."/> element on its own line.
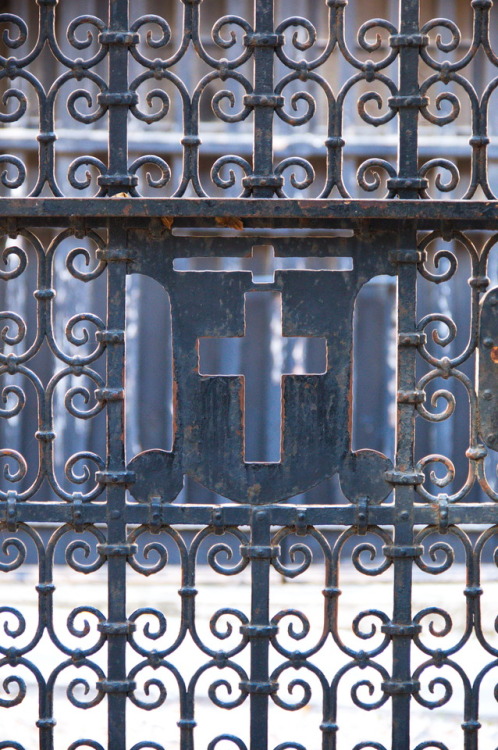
<point x="115" y="474"/>
<point x="118" y="86"/>
<point x="115" y="477"/>
<point x="403" y="551"/>
<point x="263" y="87"/>
<point x="259" y="686"/>
<point x="408" y="104"/>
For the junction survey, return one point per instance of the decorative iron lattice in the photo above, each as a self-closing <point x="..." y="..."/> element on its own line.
<point x="104" y="507"/>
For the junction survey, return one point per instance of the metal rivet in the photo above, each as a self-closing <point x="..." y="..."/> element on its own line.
<point x="115" y="514"/>
<point x="487" y="395"/>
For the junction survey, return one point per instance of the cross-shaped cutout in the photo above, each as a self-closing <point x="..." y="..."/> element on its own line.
<point x="263" y="263"/>
<point x="250" y="344"/>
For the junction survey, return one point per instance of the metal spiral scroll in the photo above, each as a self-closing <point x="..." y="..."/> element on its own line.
<point x="75" y="379"/>
<point x="20" y="638"/>
<point x="440" y="266"/>
<point x="155" y="643"/>
<point x="99" y="512"/>
<point x="298" y="92"/>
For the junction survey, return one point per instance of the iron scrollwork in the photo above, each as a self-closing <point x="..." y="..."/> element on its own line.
<point x="399" y="518"/>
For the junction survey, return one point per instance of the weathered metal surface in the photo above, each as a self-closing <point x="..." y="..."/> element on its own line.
<point x="488" y="369"/>
<point x="209" y="433"/>
<point x="298" y="213"/>
<point x="116" y="501"/>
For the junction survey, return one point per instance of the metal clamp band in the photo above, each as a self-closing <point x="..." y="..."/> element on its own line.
<point x="110" y="336"/>
<point x="121" y="99"/>
<point x="125" y="38"/>
<point x="258" y="688"/>
<point x="405" y="256"/>
<point x="77" y="511"/>
<point x="411" y="397"/>
<point x="263" y="100"/>
<point x="191" y="140"/>
<point x="409" y="40"/>
<point x="301" y="523"/>
<point x="259" y="631"/>
<point x="114" y="254"/>
<point x="476" y="453"/>
<point x="45" y="588"/>
<point x="408" y="102"/>
<point x="479" y="282"/>
<point x="472" y="725"/>
<point x="479" y="141"/>
<point x="406" y="687"/>
<point x="407" y="183"/>
<point x="217" y="521"/>
<point x="412" y="339"/>
<point x="472" y="592"/>
<point x="443" y="513"/>
<point x="187" y="591"/>
<point x="11" y="511"/>
<point x="155" y="520"/>
<point x="116" y="628"/>
<point x="393" y="629"/>
<point x="329" y="726"/>
<point x="404" y="478"/>
<point x="44" y="294"/>
<point x="263" y="40"/>
<point x="361" y="515"/>
<point x="121" y="180"/>
<point x="116" y="686"/>
<point x="109" y="394"/>
<point x="11" y="68"/>
<point x="270" y="180"/>
<point x="47" y="137"/>
<point x="45" y="436"/>
<point x="186" y="723"/>
<point x="115" y="477"/>
<point x="331" y="592"/>
<point x="46" y="723"/>
<point x="259" y="551"/>
<point x="402" y="551"/>
<point x="334" y="142"/>
<point x="117" y="550"/>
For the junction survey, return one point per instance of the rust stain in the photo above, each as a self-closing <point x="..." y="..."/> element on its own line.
<point x="167" y="221"/>
<point x="230" y="222"/>
<point x="494" y="354"/>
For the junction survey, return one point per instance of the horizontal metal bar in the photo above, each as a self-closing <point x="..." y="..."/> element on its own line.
<point x="473" y="514"/>
<point x="480" y="214"/>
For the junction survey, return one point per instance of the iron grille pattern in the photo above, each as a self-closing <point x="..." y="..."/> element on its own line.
<point x="111" y="504"/>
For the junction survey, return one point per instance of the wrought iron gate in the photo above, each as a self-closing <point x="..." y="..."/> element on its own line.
<point x="104" y="507"/>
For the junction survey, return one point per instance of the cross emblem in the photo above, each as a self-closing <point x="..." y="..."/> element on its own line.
<point x="252" y="342"/>
<point x="263" y="263"/>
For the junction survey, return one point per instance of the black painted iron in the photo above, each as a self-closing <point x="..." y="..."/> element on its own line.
<point x="118" y="500"/>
